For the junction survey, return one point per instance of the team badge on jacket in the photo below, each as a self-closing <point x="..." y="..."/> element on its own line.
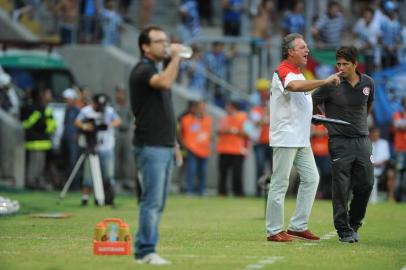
<point x="366" y="91"/>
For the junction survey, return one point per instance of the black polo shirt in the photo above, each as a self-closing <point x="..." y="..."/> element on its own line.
<point x="152" y="108"/>
<point x="347" y="103"/>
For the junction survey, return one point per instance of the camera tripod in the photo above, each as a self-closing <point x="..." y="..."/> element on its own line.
<point x="95" y="173"/>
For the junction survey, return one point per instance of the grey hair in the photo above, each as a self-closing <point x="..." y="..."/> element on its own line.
<point x="287" y="43"/>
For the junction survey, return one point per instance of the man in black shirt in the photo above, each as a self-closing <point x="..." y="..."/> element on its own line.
<point x="154" y="136"/>
<point x="349" y="145"/>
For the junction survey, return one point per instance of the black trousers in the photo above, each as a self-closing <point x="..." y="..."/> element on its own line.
<point x="230" y="164"/>
<point x="352" y="171"/>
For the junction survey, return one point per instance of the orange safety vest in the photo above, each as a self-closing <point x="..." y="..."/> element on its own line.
<point x="319" y="143"/>
<point x="264" y="126"/>
<point x="228" y="143"/>
<point x="399" y="141"/>
<point x="196" y="134"/>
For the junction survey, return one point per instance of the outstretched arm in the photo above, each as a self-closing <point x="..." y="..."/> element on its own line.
<point x="308" y="85"/>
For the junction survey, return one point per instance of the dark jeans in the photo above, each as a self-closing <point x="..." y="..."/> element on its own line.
<point x="72" y="151"/>
<point x="231" y="164"/>
<point x="352" y="172"/>
<point x="195" y="167"/>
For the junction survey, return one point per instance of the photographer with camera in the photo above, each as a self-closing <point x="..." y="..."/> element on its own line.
<point x="96" y="123"/>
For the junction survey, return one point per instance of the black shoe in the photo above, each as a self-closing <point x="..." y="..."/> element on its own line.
<point x="112" y="205"/>
<point x="84" y="202"/>
<point x="355" y="236"/>
<point x="347" y="239"/>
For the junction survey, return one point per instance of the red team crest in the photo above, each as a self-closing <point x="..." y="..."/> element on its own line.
<point x="366" y="91"/>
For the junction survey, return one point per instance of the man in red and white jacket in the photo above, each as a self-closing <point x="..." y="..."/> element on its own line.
<point x="291" y="112"/>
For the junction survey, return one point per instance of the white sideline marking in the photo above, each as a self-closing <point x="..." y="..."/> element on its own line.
<point x="329" y="235"/>
<point x="10" y="252"/>
<point x="270" y="260"/>
<point x="44" y="238"/>
<point x="262" y="263"/>
<point x="310" y="244"/>
<point x="403" y="268"/>
<point x="255" y="266"/>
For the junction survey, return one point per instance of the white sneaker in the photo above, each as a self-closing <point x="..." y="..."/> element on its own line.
<point x="152" y="258"/>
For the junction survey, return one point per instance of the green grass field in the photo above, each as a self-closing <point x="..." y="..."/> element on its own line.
<point x="197" y="233"/>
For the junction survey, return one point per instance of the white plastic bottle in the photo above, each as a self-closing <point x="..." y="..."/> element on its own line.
<point x="184" y="52"/>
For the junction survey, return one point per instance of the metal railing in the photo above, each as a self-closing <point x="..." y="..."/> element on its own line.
<point x="251" y="61"/>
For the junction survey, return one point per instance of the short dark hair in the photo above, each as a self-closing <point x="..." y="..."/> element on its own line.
<point x="368" y="9"/>
<point x="287" y="43"/>
<point x="349" y="53"/>
<point x="144" y="36"/>
<point x="332" y="3"/>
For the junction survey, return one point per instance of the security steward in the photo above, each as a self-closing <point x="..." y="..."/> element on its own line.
<point x="195" y="131"/>
<point x="39" y="125"/>
<point x="349" y="146"/>
<point x="232" y="149"/>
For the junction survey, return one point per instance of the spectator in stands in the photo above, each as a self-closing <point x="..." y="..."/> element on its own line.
<point x="39" y="125"/>
<point x="196" y="71"/>
<point x="189" y="26"/>
<point x="123" y="136"/>
<point x="88" y="24"/>
<point x="328" y="29"/>
<point x="383" y="170"/>
<point x="69" y="141"/>
<point x="293" y="20"/>
<point x="319" y="143"/>
<point x="232" y="16"/>
<point x="261" y="32"/>
<point x="205" y="8"/>
<point x="402" y="50"/>
<point x="67" y="13"/>
<point x="367" y="33"/>
<point x="216" y="63"/>
<point x="196" y="130"/>
<point x="261" y="22"/>
<point x="99" y="120"/>
<point x="124" y="7"/>
<point x="391" y="35"/>
<point x="259" y="117"/>
<point x="399" y="123"/>
<point x="24" y="6"/>
<point x="231" y="148"/>
<point x="111" y="24"/>
<point x="145" y="11"/>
